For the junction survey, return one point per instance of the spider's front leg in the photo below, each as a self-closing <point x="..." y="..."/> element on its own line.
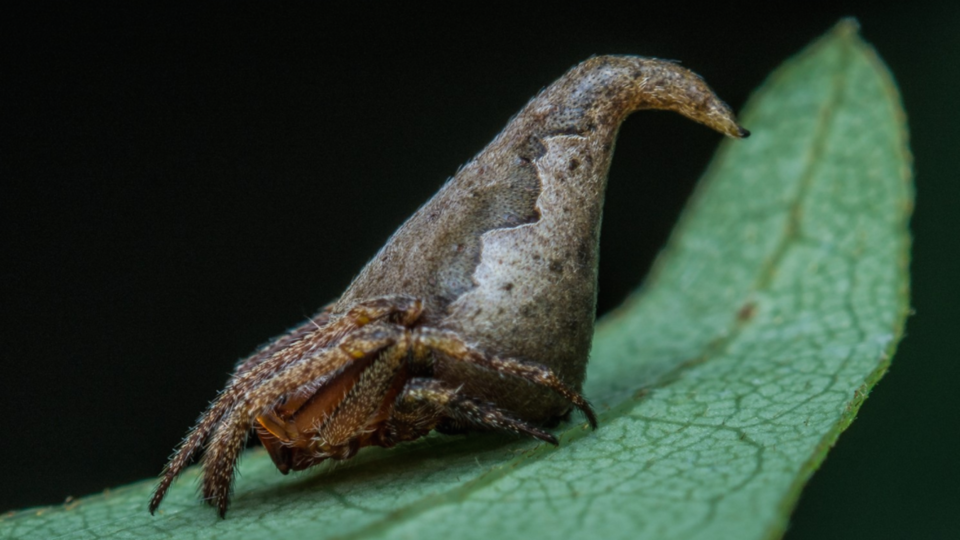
<point x="244" y="396"/>
<point x="226" y="443"/>
<point x="298" y="333"/>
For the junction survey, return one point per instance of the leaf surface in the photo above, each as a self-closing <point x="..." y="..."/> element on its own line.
<point x="722" y="383"/>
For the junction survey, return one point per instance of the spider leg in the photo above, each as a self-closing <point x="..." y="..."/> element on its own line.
<point x="311" y="344"/>
<point x="320" y="332"/>
<point x="343" y="432"/>
<point x="267" y="350"/>
<point x="226" y="442"/>
<point x="450" y="344"/>
<point x="425" y="402"/>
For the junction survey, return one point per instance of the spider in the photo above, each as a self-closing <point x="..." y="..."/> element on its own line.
<point x="477" y="314"/>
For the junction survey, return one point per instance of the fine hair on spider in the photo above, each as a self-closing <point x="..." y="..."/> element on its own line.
<point x="476" y="315"/>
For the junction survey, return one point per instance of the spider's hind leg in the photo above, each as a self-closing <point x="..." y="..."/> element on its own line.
<point x="451" y="345"/>
<point x="426" y="404"/>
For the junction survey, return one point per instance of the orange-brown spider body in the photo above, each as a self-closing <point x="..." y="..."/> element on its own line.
<point x="477" y="314"/>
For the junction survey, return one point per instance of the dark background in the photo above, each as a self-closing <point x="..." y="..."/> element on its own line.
<point x="178" y="186"/>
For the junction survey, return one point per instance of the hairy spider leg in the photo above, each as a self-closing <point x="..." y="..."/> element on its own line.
<point x="288" y="430"/>
<point x="267" y="350"/>
<point x="404" y="308"/>
<point x="341" y="434"/>
<point x="424" y="403"/>
<point x="450" y="344"/>
<point x="226" y="442"/>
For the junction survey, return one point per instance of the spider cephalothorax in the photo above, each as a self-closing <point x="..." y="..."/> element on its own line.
<point x="477" y="314"/>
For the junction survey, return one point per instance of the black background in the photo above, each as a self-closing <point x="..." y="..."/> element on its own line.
<point x="178" y="186"/>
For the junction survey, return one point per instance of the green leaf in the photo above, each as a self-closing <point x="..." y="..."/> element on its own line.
<point x="723" y="382"/>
